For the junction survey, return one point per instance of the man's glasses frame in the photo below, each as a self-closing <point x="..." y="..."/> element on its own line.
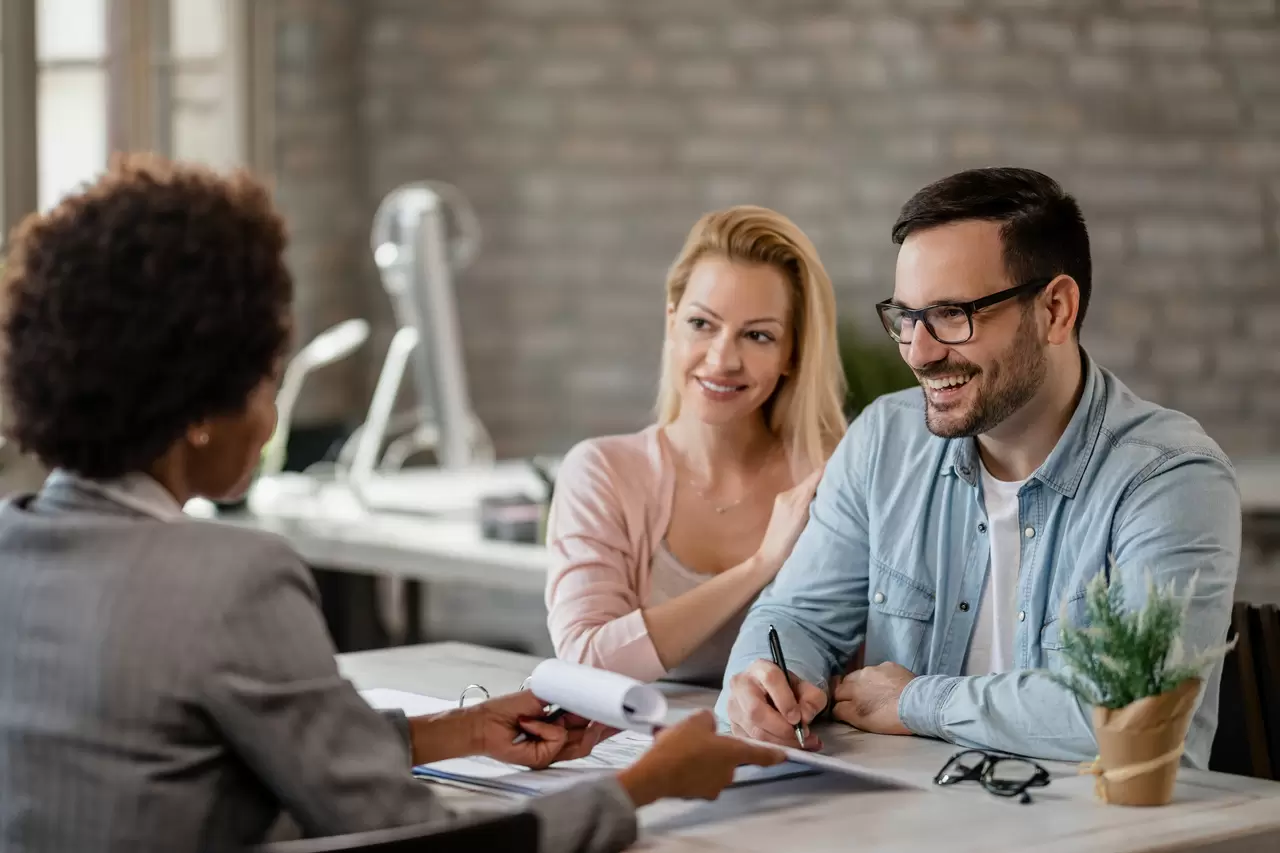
<point x="956" y="770"/>
<point x="926" y="316"/>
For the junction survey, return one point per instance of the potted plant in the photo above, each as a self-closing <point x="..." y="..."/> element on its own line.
<point x="1142" y="684"/>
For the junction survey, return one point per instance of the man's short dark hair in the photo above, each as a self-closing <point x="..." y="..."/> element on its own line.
<point x="1043" y="229"/>
<point x="149" y="301"/>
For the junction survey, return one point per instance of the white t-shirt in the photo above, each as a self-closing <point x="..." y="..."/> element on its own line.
<point x="991" y="649"/>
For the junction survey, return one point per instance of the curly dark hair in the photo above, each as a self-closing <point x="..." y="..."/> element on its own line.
<point x="152" y="299"/>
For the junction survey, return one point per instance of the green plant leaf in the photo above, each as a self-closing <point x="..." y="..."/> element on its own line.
<point x="1121" y="656"/>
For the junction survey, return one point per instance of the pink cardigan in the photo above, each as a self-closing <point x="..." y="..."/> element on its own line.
<point x="611" y="508"/>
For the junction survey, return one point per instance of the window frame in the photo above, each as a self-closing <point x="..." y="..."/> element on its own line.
<point x="140" y="89"/>
<point x="18" y="86"/>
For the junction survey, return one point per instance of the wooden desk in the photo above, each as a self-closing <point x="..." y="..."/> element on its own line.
<point x="1259" y="481"/>
<point x="1211" y="811"/>
<point x="423" y="549"/>
<point x="331" y="529"/>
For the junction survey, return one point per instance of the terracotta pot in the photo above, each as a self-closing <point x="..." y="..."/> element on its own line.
<point x="1140" y="746"/>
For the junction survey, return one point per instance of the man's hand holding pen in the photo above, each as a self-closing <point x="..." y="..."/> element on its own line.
<point x="766" y="705"/>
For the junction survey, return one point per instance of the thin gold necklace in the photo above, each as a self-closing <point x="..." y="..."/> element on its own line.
<point x="720" y="510"/>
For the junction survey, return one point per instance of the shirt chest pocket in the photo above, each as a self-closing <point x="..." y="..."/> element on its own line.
<point x="1071" y="614"/>
<point x="899" y="619"/>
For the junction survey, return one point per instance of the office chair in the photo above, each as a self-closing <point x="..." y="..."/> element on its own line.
<point x="516" y="832"/>
<point x="1247" y="742"/>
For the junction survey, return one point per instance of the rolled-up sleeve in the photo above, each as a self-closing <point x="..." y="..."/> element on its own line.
<point x="593" y="607"/>
<point x="1180" y="522"/>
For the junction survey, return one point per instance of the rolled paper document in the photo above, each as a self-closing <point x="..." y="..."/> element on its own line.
<point x="596" y="694"/>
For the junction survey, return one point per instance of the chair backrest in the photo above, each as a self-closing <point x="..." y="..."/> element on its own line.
<point x="1247" y="742"/>
<point x="516" y="832"/>
<point x="1267" y="661"/>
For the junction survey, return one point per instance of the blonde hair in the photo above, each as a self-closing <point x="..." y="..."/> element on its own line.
<point x="806" y="410"/>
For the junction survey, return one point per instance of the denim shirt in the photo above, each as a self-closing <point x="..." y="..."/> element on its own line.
<point x="896" y="552"/>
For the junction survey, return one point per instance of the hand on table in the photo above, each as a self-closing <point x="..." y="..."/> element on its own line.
<point x="867" y="698"/>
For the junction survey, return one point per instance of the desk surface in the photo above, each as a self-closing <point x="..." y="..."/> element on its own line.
<point x="427" y="549"/>
<point x="331" y="529"/>
<point x="1211" y="811"/>
<point x="1259" y="481"/>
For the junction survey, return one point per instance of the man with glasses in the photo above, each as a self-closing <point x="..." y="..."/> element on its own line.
<point x="957" y="524"/>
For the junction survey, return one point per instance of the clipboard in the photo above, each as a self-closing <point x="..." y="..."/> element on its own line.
<point x="609" y="756"/>
<point x="638" y="709"/>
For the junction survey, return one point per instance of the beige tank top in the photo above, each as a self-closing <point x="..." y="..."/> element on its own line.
<point x="669" y="579"/>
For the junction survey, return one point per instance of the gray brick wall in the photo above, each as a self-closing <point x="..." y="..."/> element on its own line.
<point x="319" y="184"/>
<point x="591" y="133"/>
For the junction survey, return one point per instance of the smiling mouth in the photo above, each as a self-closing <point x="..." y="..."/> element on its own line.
<point x="720" y="388"/>
<point x="943" y="383"/>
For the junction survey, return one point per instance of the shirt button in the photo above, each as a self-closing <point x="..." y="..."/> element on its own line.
<point x="878" y="598"/>
<point x="964" y="607"/>
<point x="1030" y="532"/>
<point x="982" y="527"/>
<point x="1022" y="616"/>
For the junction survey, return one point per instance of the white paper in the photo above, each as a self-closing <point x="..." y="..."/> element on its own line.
<point x="819" y="761"/>
<point x="596" y="694"/>
<point x="611" y="755"/>
<point x="614" y="753"/>
<point x="413" y="704"/>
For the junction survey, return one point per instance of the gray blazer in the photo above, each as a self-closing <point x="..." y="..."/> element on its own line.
<point x="171" y="686"/>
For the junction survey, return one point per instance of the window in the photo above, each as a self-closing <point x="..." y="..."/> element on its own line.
<point x="163" y="75"/>
<point x="4" y="122"/>
<point x="203" y="104"/>
<point x="17" y="111"/>
<point x="71" y="49"/>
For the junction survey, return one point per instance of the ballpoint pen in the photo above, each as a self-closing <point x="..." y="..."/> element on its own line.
<point x="551" y="713"/>
<point x="775" y="648"/>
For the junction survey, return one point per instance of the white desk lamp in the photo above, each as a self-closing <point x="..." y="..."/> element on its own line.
<point x="331" y="345"/>
<point x="417" y="258"/>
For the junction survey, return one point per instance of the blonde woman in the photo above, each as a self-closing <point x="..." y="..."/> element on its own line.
<point x="661" y="539"/>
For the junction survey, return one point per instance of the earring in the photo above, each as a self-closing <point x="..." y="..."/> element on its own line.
<point x="202" y="438"/>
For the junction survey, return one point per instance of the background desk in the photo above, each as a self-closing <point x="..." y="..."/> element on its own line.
<point x="438" y="577"/>
<point x="492" y="592"/>
<point x="1211" y="811"/>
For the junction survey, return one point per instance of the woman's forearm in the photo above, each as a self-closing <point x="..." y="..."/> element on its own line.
<point x="452" y="734"/>
<point x="679" y="626"/>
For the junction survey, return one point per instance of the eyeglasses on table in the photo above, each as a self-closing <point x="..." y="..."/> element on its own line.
<point x="1002" y="775"/>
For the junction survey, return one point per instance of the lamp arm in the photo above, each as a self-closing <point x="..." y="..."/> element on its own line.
<point x="290" y="389"/>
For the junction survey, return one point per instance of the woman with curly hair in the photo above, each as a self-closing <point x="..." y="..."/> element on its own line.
<point x="166" y="683"/>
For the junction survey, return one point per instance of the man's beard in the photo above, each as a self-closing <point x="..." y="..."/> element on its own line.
<point x="1009" y="384"/>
